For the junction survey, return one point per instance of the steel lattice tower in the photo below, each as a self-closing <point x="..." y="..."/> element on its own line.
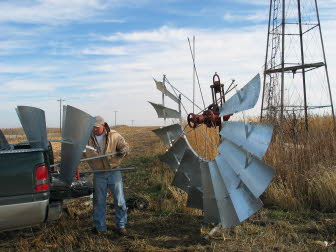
<point x="296" y="75"/>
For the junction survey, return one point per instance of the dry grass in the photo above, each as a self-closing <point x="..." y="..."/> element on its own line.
<point x="204" y="141"/>
<point x="169" y="226"/>
<point x="305" y="168"/>
<point x="305" y="163"/>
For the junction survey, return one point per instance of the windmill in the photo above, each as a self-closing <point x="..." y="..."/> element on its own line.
<point x="228" y="187"/>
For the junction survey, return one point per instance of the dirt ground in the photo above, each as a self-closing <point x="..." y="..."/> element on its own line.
<point x="167" y="225"/>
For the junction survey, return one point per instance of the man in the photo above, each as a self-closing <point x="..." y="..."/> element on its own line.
<point x="104" y="140"/>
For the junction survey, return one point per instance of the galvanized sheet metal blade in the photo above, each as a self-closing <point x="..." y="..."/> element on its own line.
<point x="244" y="202"/>
<point x="195" y="198"/>
<point x="188" y="172"/>
<point x="34" y="125"/>
<point x="78" y="126"/>
<point x="169" y="134"/>
<point x="225" y="206"/>
<point x="181" y="181"/>
<point x="174" y="155"/>
<point x="64" y="115"/>
<point x="253" y="137"/>
<point x="255" y="174"/>
<point x="246" y="98"/>
<point x="163" y="89"/>
<point x="4" y="145"/>
<point x="164" y="112"/>
<point x="191" y="166"/>
<point x="211" y="214"/>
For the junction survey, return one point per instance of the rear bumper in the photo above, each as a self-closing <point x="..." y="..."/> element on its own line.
<point x="23" y="215"/>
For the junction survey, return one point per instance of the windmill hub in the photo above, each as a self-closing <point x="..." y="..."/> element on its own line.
<point x="210" y="117"/>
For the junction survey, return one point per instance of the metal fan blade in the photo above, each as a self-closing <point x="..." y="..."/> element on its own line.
<point x="253" y="137"/>
<point x="191" y="166"/>
<point x="4" y="145"/>
<point x="34" y="125"/>
<point x="169" y="134"/>
<point x="211" y="214"/>
<point x="163" y="89"/>
<point x="255" y="174"/>
<point x="244" y="202"/>
<point x="174" y="155"/>
<point x="164" y="112"/>
<point x="188" y="172"/>
<point x="225" y="206"/>
<point x="64" y="115"/>
<point x="78" y="126"/>
<point x="246" y="98"/>
<point x="195" y="198"/>
<point x="181" y="181"/>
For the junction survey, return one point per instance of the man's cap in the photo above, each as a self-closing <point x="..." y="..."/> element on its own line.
<point x="99" y="121"/>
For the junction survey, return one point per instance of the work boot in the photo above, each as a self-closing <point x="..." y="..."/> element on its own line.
<point x="121" y="231"/>
<point x="95" y="231"/>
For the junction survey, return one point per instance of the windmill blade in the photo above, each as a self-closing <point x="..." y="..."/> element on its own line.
<point x="254" y="173"/>
<point x="253" y="137"/>
<point x="244" y="202"/>
<point x="211" y="214"/>
<point x="78" y="126"/>
<point x="181" y="181"/>
<point x="190" y="165"/>
<point x="169" y="134"/>
<point x="163" y="89"/>
<point x="164" y="112"/>
<point x="188" y="172"/>
<point x="4" y="145"/>
<point x="34" y="125"/>
<point x="225" y="206"/>
<point x="174" y="155"/>
<point x="64" y="115"/>
<point x="195" y="198"/>
<point x="246" y="98"/>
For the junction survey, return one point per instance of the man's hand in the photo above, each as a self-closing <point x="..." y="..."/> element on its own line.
<point x="122" y="154"/>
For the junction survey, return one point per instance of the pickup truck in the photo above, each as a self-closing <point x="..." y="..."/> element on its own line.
<point x="32" y="191"/>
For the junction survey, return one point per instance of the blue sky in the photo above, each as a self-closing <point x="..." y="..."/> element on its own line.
<point x="101" y="55"/>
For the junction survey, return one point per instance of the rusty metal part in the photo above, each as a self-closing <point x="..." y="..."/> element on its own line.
<point x="211" y="116"/>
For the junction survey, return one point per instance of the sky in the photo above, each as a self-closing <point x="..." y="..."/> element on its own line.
<point x="101" y="55"/>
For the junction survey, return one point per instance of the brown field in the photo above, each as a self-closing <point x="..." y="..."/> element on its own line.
<point x="298" y="216"/>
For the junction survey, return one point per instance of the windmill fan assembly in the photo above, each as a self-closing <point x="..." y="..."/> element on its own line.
<point x="227" y="189"/>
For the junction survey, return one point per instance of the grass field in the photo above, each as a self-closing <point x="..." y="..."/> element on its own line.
<point x="299" y="213"/>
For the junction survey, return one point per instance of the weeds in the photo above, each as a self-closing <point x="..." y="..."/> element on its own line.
<point x="305" y="163"/>
<point x="305" y="180"/>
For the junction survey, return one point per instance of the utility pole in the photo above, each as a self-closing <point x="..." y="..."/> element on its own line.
<point x="60" y="101"/>
<point x="115" y="117"/>
<point x="132" y="122"/>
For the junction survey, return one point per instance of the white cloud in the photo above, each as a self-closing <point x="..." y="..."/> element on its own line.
<point x="163" y="34"/>
<point x="25" y="85"/>
<point x="120" y="50"/>
<point x="21" y="69"/>
<point x="255" y="16"/>
<point x="49" y="11"/>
